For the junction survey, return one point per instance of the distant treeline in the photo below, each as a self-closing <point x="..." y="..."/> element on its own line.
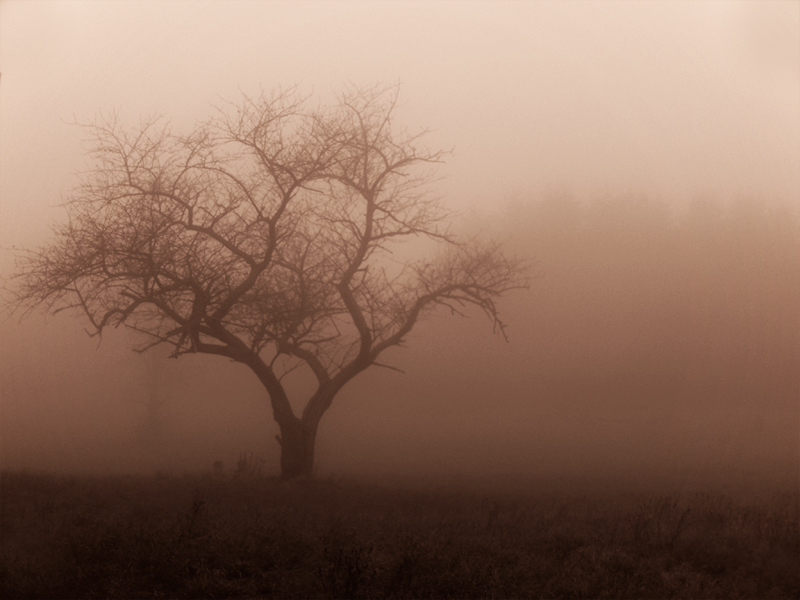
<point x="704" y="301"/>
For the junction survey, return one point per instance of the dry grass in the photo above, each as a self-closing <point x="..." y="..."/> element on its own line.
<point x="126" y="537"/>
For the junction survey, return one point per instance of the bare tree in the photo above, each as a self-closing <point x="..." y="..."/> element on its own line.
<point x="272" y="236"/>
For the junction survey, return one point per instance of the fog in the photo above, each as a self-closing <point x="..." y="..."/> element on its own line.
<point x="643" y="157"/>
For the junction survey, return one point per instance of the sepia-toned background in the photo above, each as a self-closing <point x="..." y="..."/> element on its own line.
<point x="644" y="156"/>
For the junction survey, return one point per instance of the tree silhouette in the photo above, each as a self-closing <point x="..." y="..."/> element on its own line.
<point x="271" y="235"/>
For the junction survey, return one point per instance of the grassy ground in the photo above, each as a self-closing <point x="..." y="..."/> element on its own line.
<point x="126" y="537"/>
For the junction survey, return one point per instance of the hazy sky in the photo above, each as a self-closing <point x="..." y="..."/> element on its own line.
<point x="669" y="98"/>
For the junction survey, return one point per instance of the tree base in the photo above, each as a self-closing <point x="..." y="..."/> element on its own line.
<point x="297" y="451"/>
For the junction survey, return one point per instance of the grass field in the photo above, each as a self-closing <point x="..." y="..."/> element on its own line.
<point x="206" y="537"/>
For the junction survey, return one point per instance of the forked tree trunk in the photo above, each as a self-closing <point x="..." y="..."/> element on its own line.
<point x="297" y="448"/>
<point x="298" y="436"/>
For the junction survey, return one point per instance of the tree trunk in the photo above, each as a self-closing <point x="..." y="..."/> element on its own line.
<point x="297" y="448"/>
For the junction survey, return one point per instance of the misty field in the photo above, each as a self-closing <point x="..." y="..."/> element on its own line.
<point x="206" y="537"/>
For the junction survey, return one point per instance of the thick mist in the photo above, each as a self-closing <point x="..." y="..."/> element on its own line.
<point x="643" y="157"/>
<point x="654" y="347"/>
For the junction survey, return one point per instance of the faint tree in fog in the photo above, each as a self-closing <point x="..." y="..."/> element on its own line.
<point x="271" y="235"/>
<point x="153" y="426"/>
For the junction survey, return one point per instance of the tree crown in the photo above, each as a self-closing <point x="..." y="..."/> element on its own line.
<point x="270" y="233"/>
